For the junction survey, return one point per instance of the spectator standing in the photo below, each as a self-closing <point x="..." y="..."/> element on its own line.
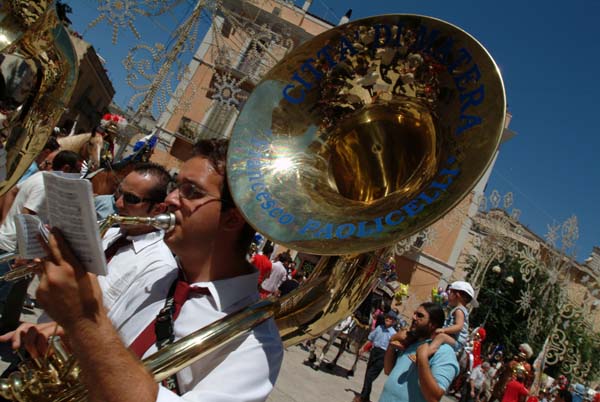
<point x="515" y="389"/>
<point x="262" y="262"/>
<point x="427" y="378"/>
<point x="278" y="274"/>
<point x="380" y="337"/>
<point x="476" y="383"/>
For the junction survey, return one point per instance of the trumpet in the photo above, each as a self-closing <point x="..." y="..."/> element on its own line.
<point x="165" y="222"/>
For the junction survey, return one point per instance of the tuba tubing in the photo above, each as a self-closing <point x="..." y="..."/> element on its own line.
<point x="34" y="31"/>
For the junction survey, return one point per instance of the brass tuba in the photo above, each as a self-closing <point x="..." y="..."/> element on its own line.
<point x="39" y="70"/>
<point x="362" y="136"/>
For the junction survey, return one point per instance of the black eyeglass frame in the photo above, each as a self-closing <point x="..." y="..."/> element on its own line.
<point x="193" y="193"/>
<point x="132" y="199"/>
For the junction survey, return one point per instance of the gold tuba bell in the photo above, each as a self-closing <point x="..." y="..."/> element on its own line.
<point x="360" y="137"/>
<point x="39" y="70"/>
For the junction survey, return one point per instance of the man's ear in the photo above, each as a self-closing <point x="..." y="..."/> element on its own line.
<point x="232" y="219"/>
<point x="158" y="208"/>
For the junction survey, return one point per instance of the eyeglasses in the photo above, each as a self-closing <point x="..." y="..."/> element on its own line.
<point x="190" y="191"/>
<point x="130" y="198"/>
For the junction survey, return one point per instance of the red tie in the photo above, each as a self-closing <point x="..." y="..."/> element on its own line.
<point x="148" y="336"/>
<point x="111" y="250"/>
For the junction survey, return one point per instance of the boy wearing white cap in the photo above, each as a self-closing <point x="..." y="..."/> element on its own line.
<point x="456" y="327"/>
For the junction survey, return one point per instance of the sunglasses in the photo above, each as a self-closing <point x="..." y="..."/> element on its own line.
<point x="130" y="198"/>
<point x="190" y="191"/>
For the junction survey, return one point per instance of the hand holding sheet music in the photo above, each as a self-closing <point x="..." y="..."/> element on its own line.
<point x="29" y="227"/>
<point x="71" y="209"/>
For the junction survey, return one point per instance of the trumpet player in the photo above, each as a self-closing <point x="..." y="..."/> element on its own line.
<point x="134" y="250"/>
<point x="130" y="250"/>
<point x="214" y="279"/>
<point x="30" y="199"/>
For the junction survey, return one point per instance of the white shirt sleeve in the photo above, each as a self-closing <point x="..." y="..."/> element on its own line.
<point x="36" y="199"/>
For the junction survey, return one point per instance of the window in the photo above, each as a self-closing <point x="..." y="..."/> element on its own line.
<point x="188" y="129"/>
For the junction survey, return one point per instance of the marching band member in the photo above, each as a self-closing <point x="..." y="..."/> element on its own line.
<point x="214" y="279"/>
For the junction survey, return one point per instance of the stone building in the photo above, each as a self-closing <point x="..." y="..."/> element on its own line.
<point x="238" y="49"/>
<point x="93" y="91"/>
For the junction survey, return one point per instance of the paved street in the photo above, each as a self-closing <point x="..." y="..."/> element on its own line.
<point x="298" y="382"/>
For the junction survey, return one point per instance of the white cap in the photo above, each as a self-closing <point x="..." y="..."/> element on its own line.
<point x="465" y="287"/>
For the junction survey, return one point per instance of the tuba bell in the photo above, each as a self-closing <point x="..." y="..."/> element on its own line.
<point x="360" y="137"/>
<point x="38" y="70"/>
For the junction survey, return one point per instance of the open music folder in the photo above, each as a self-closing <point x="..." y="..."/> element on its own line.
<point x="71" y="209"/>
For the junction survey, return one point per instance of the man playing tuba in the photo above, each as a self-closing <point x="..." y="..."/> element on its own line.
<point x="214" y="279"/>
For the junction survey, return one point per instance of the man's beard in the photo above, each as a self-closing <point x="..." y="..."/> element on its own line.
<point x="420" y="332"/>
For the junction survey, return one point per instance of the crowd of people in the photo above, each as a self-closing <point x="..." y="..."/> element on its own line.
<point x="161" y="287"/>
<point x="439" y="354"/>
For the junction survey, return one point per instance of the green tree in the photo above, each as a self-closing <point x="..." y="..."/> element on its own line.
<point x="528" y="309"/>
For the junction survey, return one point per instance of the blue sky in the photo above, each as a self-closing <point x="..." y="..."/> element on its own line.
<point x="549" y="55"/>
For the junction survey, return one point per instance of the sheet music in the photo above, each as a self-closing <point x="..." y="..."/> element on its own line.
<point x="28" y="228"/>
<point x="71" y="209"/>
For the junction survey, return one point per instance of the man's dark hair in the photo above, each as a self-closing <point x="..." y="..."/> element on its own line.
<point x="215" y="151"/>
<point x="436" y="314"/>
<point x="565" y="395"/>
<point x="158" y="193"/>
<point x="66" y="158"/>
<point x="52" y="144"/>
<point x="98" y="129"/>
<point x="284" y="257"/>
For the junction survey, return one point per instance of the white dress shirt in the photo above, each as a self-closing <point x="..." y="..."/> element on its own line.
<point x="243" y="370"/>
<point x="147" y="254"/>
<point x="278" y="275"/>
<point x="32" y="196"/>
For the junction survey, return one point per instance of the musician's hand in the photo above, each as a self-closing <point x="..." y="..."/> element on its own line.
<point x="66" y="291"/>
<point x="33" y="337"/>
<point x="17" y="262"/>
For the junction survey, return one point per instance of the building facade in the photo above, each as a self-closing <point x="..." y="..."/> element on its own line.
<point x="241" y="45"/>
<point x="92" y="94"/>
